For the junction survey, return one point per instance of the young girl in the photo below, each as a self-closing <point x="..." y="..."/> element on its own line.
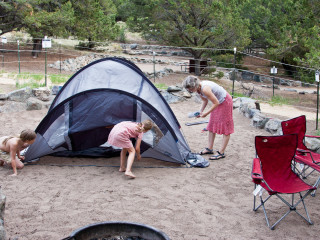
<point x="10" y="148"/>
<point x="120" y="137"/>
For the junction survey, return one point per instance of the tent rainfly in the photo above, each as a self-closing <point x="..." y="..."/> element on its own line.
<point x="97" y="97"/>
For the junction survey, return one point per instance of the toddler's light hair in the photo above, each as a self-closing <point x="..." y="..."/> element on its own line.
<point x="27" y="135"/>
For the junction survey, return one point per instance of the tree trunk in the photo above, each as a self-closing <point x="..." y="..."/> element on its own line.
<point x="90" y="44"/>
<point x="37" y="47"/>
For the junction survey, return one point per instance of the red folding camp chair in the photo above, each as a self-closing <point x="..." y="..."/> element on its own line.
<point x="272" y="172"/>
<point x="308" y="161"/>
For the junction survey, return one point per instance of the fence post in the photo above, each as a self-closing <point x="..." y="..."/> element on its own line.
<point x="4" y="41"/>
<point x="317" y="80"/>
<point x="18" y="55"/>
<point x="234" y="69"/>
<point x="60" y="55"/>
<point x="45" y="68"/>
<point x="154" y="67"/>
<point x="273" y="72"/>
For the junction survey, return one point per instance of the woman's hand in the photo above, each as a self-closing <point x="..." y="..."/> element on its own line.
<point x="203" y="115"/>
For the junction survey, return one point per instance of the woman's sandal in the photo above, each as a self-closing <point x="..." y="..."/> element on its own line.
<point x="218" y="156"/>
<point x="206" y="151"/>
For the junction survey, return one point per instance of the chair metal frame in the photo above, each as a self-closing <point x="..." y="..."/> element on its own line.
<point x="304" y="157"/>
<point x="258" y="179"/>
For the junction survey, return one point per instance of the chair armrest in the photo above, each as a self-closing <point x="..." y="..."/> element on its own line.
<point x="302" y="151"/>
<point x="256" y="173"/>
<point x="312" y="136"/>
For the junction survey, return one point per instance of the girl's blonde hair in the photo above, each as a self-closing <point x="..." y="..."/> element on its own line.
<point x="191" y="82"/>
<point x="146" y="125"/>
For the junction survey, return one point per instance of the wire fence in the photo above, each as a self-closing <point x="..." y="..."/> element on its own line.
<point x="27" y="61"/>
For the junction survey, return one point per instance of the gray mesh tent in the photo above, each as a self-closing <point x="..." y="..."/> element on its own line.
<point x="102" y="94"/>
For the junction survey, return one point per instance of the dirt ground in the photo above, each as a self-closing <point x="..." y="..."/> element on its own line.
<point x="55" y="196"/>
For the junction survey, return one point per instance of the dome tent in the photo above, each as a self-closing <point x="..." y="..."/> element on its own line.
<point x="97" y="97"/>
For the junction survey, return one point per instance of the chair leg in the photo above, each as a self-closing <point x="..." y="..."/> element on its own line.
<point x="313" y="194"/>
<point x="292" y="207"/>
<point x="264" y="210"/>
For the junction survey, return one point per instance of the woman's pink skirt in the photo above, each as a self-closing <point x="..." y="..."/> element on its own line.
<point x="221" y="120"/>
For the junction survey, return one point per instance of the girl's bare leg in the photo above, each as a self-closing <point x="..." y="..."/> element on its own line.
<point x="123" y="160"/>
<point x="132" y="153"/>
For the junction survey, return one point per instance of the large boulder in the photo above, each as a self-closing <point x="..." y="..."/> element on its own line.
<point x="42" y="93"/>
<point x="259" y="120"/>
<point x="34" y="104"/>
<point x="248" y="107"/>
<point x="20" y="95"/>
<point x="3" y="96"/>
<point x="312" y="143"/>
<point x="274" y="126"/>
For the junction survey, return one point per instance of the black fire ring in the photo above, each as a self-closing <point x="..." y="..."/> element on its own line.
<point x="124" y="230"/>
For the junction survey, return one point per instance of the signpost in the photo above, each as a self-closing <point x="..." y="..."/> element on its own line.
<point x="4" y="41"/>
<point x="317" y="80"/>
<point x="46" y="43"/>
<point x="234" y="69"/>
<point x="274" y="71"/>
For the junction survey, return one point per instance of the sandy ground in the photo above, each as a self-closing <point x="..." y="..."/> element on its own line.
<point x="55" y="196"/>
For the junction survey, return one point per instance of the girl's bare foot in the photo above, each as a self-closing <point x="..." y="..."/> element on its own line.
<point x="129" y="174"/>
<point x="122" y="169"/>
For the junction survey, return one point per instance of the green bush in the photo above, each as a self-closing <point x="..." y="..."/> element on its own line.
<point x="122" y="35"/>
<point x="219" y="75"/>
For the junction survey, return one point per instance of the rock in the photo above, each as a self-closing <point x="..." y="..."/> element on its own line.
<point x="259" y="120"/>
<point x="2" y="230"/>
<point x="290" y="90"/>
<point x="2" y="210"/>
<point x="273" y="126"/>
<point x="2" y="204"/>
<point x="236" y="102"/>
<point x="312" y="143"/>
<point x="20" y="95"/>
<point x="246" y="107"/>
<point x="55" y="89"/>
<point x="133" y="46"/>
<point x="3" y="96"/>
<point x="174" y="89"/>
<point x="251" y="112"/>
<point x="34" y="104"/>
<point x="42" y="93"/>
<point x="170" y="98"/>
<point x="11" y="106"/>
<point x="186" y="94"/>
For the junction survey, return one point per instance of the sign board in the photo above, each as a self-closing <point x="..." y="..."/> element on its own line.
<point x="317" y="76"/>
<point x="46" y="43"/>
<point x="274" y="70"/>
<point x="4" y="40"/>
